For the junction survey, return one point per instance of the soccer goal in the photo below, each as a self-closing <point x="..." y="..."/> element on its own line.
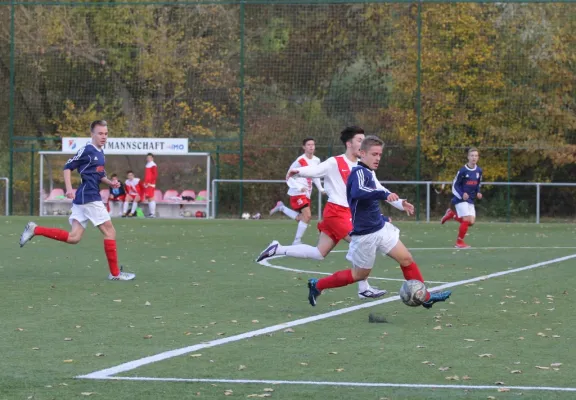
<point x="182" y="186"/>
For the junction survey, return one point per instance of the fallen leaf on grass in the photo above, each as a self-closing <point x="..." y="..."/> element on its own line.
<point x="147" y="303"/>
<point x="117" y="301"/>
<point x="339" y="369"/>
<point x="491" y="398"/>
<point x="241" y="367"/>
<point x="99" y="354"/>
<point x="303" y="364"/>
<point x="469" y="340"/>
<point x="289" y="330"/>
<point x="20" y="329"/>
<point x="555" y="336"/>
<point x="503" y="389"/>
<point x="443" y="369"/>
<point x="437" y="328"/>
<point x="35" y="348"/>
<point x="516" y="371"/>
<point x="498" y="383"/>
<point x="555" y="364"/>
<point x="148" y="337"/>
<point x="487" y="355"/>
<point x="539" y="367"/>
<point x="228" y="392"/>
<point x="87" y="393"/>
<point x="333" y="352"/>
<point x="68" y="361"/>
<point x="453" y="378"/>
<point x="67" y="339"/>
<point x="255" y="321"/>
<point x="196" y="355"/>
<point x="466" y="378"/>
<point x="268" y="389"/>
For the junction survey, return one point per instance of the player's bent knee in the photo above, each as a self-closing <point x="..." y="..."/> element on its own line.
<point x="359" y="274"/>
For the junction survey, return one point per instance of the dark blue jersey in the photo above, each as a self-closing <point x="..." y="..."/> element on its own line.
<point x="89" y="161"/>
<point x="467" y="181"/>
<point x="364" y="195"/>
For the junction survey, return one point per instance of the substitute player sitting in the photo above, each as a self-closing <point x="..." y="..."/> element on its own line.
<point x="87" y="204"/>
<point x="336" y="218"/>
<point x="117" y="192"/>
<point x="466" y="188"/>
<point x="372" y="233"/>
<point x="133" y="195"/>
<point x="300" y="191"/>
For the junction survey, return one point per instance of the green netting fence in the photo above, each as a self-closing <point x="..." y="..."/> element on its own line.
<point x="247" y="80"/>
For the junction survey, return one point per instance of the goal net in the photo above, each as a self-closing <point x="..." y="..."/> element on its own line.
<point x="182" y="186"/>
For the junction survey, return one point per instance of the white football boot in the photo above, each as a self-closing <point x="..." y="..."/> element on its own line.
<point x="28" y="233"/>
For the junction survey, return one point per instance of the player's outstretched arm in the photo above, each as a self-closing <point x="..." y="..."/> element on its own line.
<point x="362" y="188"/>
<point x="68" y="183"/>
<point x="457" y="189"/>
<point x="314" y="171"/>
<point x="318" y="185"/>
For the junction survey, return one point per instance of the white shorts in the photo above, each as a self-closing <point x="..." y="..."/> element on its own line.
<point x="95" y="212"/>
<point x="465" y="209"/>
<point x="362" y="251"/>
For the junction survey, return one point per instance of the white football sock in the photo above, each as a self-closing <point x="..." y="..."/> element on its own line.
<point x="134" y="206"/>
<point x="363" y="286"/>
<point x="289" y="212"/>
<point x="125" y="207"/>
<point x="300" y="251"/>
<point x="152" y="207"/>
<point x="300" y="231"/>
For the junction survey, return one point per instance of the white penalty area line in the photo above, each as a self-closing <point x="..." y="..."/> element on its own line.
<point x="266" y="263"/>
<point x="131" y="365"/>
<point x="348" y="384"/>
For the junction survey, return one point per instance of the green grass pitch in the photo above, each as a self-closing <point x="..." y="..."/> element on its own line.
<point x="197" y="282"/>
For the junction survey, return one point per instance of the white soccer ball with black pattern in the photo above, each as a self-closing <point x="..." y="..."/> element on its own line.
<point x="413" y="293"/>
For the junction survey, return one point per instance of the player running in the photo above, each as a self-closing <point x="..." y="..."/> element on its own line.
<point x="300" y="191"/>
<point x="372" y="232"/>
<point x="150" y="175"/>
<point x="336" y="218"/>
<point x="466" y="188"/>
<point x="87" y="204"/>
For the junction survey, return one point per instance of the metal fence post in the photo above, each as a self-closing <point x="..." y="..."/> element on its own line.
<point x="7" y="194"/>
<point x="427" y="201"/>
<point x="538" y="203"/>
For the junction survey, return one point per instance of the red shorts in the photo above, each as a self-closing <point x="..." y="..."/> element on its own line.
<point x="336" y="222"/>
<point x="299" y="202"/>
<point x="149" y="192"/>
<point x="119" y="198"/>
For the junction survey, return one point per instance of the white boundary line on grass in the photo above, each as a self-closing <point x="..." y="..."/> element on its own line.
<point x="108" y="373"/>
<point x="349" y="384"/>
<point x="267" y="264"/>
<point x="473" y="248"/>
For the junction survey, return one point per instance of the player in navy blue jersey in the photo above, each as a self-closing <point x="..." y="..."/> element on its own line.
<point x="466" y="189"/>
<point x="87" y="204"/>
<point x="372" y="232"/>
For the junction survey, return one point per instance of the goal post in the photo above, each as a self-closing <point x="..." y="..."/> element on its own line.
<point x="182" y="186"/>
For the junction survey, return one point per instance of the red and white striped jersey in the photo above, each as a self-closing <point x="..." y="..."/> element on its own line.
<point x="151" y="174"/>
<point x="335" y="172"/>
<point x="132" y="186"/>
<point x="298" y="185"/>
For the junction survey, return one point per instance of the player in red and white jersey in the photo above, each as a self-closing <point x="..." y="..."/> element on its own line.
<point x="300" y="191"/>
<point x="133" y="195"/>
<point x="336" y="221"/>
<point x="150" y="175"/>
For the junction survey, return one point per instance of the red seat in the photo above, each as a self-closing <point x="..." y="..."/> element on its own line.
<point x="188" y="193"/>
<point x="158" y="195"/>
<point x="170" y="195"/>
<point x="55" y="193"/>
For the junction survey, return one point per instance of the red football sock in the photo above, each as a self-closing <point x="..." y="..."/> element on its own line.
<point x="413" y="272"/>
<point x="337" y="279"/>
<point x="463" y="229"/>
<point x="458" y="219"/>
<point x="112" y="256"/>
<point x="52" y="233"/>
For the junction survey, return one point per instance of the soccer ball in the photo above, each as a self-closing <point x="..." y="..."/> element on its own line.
<point x="413" y="293"/>
<point x="246" y="216"/>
